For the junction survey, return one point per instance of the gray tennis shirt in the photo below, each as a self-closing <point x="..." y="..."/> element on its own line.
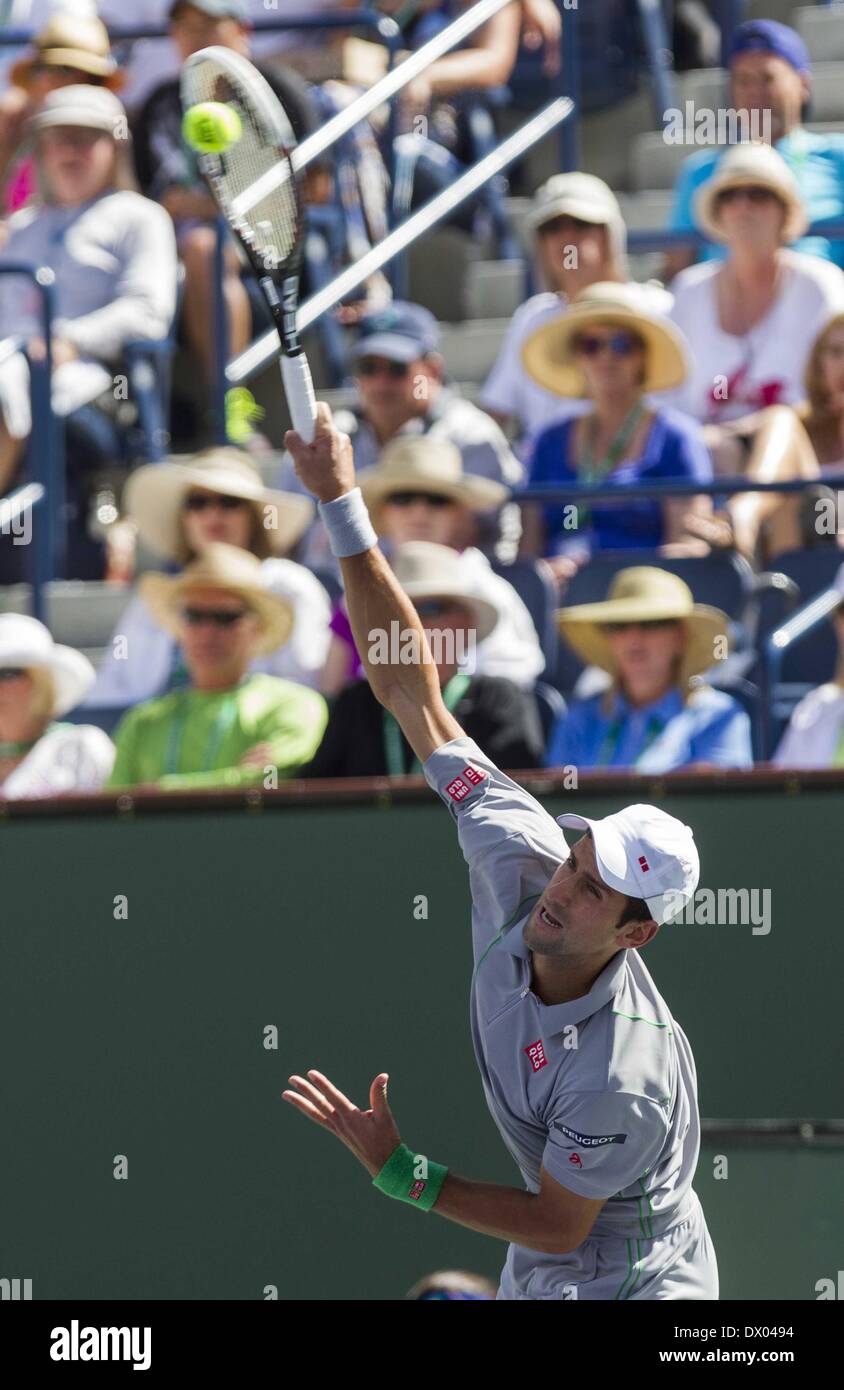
<point x="600" y="1091"/>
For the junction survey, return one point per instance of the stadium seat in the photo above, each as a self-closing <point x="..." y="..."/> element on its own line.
<point x="722" y="578"/>
<point x="823" y="31"/>
<point x="538" y="592"/>
<point x="798" y="655"/>
<point x="470" y="349"/>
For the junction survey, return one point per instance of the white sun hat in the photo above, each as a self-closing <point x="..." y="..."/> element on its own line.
<point x="645" y="853"/>
<point x="26" y="643"/>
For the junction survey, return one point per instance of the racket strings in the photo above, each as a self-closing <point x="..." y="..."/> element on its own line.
<point x="271" y="227"/>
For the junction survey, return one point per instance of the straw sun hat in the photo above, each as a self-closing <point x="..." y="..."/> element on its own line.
<point x="221" y="567"/>
<point x="27" y="644"/>
<point x="155" y="496"/>
<point x="71" y="41"/>
<point x="642" y="594"/>
<point x="427" y="570"/>
<point x="421" y="464"/>
<point x="548" y="355"/>
<point x="751" y="165"/>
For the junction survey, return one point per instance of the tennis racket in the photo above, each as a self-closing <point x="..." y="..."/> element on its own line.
<point x="271" y="229"/>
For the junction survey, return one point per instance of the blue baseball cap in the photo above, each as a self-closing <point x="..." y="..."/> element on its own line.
<point x="217" y="9"/>
<point x="769" y="36"/>
<point x="400" y="332"/>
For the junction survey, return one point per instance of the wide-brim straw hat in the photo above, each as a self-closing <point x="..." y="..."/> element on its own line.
<point x="233" y="570"/>
<point x="71" y="41"/>
<point x="751" y="165"/>
<point x="427" y="570"/>
<point x="421" y="464"/>
<point x="548" y="354"/>
<point x="155" y="494"/>
<point x="643" y="594"/>
<point x="26" y="643"/>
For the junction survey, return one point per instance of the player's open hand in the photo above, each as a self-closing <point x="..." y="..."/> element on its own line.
<point x="372" y="1134"/>
<point x="327" y="466"/>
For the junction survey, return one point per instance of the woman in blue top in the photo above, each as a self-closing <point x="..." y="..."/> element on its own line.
<point x="612" y="349"/>
<point x="652" y="638"/>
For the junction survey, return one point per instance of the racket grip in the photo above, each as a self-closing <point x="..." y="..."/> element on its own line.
<point x="299" y="390"/>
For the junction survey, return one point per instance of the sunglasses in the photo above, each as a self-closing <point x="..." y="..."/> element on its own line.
<point x="409" y="499"/>
<point x="434" y="607"/>
<point x="650" y="625"/>
<point x="374" y="366"/>
<point x="752" y="192"/>
<point x="12" y="673"/>
<point x="620" y="344"/>
<point x="201" y="501"/>
<point x="218" y="617"/>
<point x="562" y="222"/>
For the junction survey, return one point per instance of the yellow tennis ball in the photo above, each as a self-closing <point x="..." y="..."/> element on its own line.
<point x="211" y="127"/>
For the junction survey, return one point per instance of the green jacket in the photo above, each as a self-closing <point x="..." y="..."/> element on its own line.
<point x="196" y="738"/>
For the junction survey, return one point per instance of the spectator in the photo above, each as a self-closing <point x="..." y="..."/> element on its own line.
<point x="814" y="737"/>
<point x="39" y="682"/>
<point x="399" y="376"/>
<point x="612" y="350"/>
<point x="179" y="508"/>
<point x="114" y="260"/>
<point x="419" y="492"/>
<point x="70" y="50"/>
<point x="823" y="413"/>
<point x="652" y="638"/>
<point x="753" y="318"/>
<point x="362" y="739"/>
<point x="229" y="727"/>
<point x="168" y="171"/>
<point x="440" y="100"/>
<point x="771" y="79"/>
<point x="579" y="239"/>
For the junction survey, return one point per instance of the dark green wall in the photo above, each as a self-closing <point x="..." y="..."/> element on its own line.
<point x="144" y="1037"/>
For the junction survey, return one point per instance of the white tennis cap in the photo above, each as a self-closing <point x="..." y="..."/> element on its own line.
<point x="645" y="853"/>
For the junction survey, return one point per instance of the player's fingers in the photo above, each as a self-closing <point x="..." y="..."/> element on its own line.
<point x="324" y="418"/>
<point x="313" y="1095"/>
<point x="294" y="443"/>
<point x="378" y="1095"/>
<point x="306" y="1108"/>
<point x="330" y="1091"/>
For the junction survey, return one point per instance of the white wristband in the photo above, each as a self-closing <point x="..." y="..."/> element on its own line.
<point x="347" y="522"/>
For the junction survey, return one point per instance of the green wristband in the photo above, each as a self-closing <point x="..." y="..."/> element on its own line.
<point x="401" y="1178"/>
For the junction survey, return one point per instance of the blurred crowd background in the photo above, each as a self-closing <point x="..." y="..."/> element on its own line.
<point x="650" y="328"/>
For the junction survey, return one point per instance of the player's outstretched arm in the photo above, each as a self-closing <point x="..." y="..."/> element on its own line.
<point x="385" y="623"/>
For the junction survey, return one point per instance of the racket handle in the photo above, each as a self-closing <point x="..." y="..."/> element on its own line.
<point x="299" y="390"/>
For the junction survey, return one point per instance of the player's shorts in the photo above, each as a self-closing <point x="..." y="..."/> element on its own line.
<point x="679" y="1264"/>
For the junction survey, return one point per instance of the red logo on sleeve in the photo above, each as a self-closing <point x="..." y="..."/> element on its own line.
<point x="644" y="865"/>
<point x="475" y="775"/>
<point x="535" y="1054"/>
<point x="457" y="790"/>
<point x="576" y="1160"/>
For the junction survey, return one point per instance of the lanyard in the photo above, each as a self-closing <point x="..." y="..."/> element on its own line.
<point x="222" y="725"/>
<point x="594" y="470"/>
<point x="453" y="693"/>
<point x="606" y="753"/>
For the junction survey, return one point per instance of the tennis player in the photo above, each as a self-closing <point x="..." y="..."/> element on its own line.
<point x="589" y="1079"/>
